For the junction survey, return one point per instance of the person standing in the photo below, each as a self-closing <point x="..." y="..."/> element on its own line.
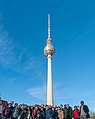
<point x="84" y="111"/>
<point x="55" y="113"/>
<point x="15" y="112"/>
<point x="76" y="112"/>
<point x="7" y="112"/>
<point x="68" y="112"/>
<point x="60" y="113"/>
<point x="49" y="113"/>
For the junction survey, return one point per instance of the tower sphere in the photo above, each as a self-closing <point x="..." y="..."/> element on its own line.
<point x="49" y="49"/>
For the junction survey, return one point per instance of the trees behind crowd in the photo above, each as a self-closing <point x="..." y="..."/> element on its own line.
<point x="92" y="114"/>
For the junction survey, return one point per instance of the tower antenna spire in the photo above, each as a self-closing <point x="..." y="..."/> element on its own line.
<point x="48" y="25"/>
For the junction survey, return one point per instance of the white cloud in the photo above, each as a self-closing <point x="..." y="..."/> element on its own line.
<point x="14" y="56"/>
<point x="38" y="92"/>
<point x="6" y="48"/>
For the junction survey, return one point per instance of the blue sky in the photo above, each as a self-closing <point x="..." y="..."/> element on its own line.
<point x="23" y="66"/>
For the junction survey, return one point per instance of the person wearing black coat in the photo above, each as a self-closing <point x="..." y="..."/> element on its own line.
<point x="84" y="111"/>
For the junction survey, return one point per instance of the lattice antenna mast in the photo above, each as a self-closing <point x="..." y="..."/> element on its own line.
<point x="48" y="25"/>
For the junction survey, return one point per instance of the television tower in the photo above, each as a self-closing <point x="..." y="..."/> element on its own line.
<point x="49" y="51"/>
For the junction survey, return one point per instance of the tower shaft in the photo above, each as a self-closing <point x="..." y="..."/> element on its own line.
<point x="49" y="51"/>
<point x="49" y="82"/>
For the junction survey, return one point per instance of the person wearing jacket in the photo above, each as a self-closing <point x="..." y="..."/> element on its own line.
<point x="84" y="111"/>
<point x="60" y="113"/>
<point x="38" y="116"/>
<point x="42" y="113"/>
<point x="49" y="113"/>
<point x="7" y="112"/>
<point x="15" y="112"/>
<point x="68" y="113"/>
<point x="76" y="112"/>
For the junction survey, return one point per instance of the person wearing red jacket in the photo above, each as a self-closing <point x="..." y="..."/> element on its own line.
<point x="76" y="112"/>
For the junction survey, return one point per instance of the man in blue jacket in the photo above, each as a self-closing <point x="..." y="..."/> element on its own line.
<point x="49" y="113"/>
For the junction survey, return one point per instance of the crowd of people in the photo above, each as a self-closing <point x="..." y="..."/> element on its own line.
<point x="22" y="111"/>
